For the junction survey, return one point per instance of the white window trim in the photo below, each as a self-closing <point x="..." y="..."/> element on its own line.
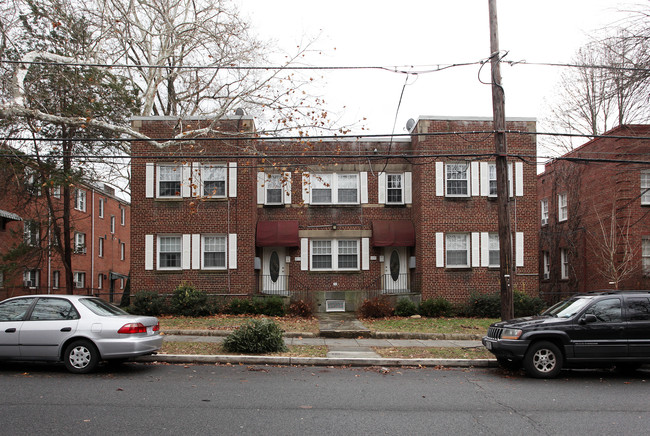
<point x="33" y="284"/>
<point x="79" y="284"/>
<point x="544" y="210"/>
<point x="56" y="279"/>
<point x="402" y="189"/>
<point x="263" y="181"/>
<point x="334" y="188"/>
<point x="100" y="208"/>
<point x="56" y="191"/>
<point x="645" y="190"/>
<point x="122" y="250"/>
<point x="100" y="280"/>
<point x="80" y="200"/>
<point x="198" y="174"/>
<point x="546" y="265"/>
<point x="122" y="216"/>
<point x="334" y="254"/>
<point x="79" y="243"/>
<point x="182" y="252"/>
<point x="562" y="207"/>
<point x="491" y="236"/>
<point x="100" y="247"/>
<point x="468" y="180"/>
<point x="112" y="224"/>
<point x="31" y="233"/>
<point x="213" y="268"/>
<point x="468" y="249"/>
<point x="564" y="264"/>
<point x="179" y="170"/>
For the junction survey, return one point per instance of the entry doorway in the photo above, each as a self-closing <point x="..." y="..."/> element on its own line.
<point x="274" y="271"/>
<point x="396" y="275"/>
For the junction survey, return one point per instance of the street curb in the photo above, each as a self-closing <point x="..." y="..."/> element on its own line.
<point x="373" y="335"/>
<point x="315" y="361"/>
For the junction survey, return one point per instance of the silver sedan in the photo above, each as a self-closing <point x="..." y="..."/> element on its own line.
<point x="78" y="330"/>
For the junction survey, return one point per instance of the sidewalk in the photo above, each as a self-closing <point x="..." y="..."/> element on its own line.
<point x="348" y="342"/>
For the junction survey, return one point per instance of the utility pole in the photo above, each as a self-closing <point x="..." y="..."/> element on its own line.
<point x="501" y="150"/>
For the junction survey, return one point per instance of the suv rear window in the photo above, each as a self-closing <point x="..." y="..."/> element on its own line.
<point x="638" y="309"/>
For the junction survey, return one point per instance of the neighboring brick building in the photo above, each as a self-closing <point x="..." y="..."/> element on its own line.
<point x="579" y="194"/>
<point x="319" y="219"/>
<point x="100" y="236"/>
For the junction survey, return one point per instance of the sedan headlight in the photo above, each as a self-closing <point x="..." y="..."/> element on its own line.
<point x="511" y="334"/>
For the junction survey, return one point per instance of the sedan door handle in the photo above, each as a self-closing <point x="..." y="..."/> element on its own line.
<point x="11" y="330"/>
<point x="66" y="329"/>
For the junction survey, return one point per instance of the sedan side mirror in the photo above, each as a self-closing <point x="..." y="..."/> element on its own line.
<point x="588" y="318"/>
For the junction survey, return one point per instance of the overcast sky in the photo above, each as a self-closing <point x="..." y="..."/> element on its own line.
<point x="427" y="33"/>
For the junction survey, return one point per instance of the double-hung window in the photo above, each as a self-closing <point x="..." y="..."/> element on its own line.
<point x="394" y="189"/>
<point x="122" y="216"/>
<point x="169" y="252"/>
<point x="492" y="180"/>
<point x="456" y="179"/>
<point x="30" y="278"/>
<point x="547" y="265"/>
<point x="100" y="246"/>
<point x="213" y="252"/>
<point x="80" y="200"/>
<point x="213" y="180"/>
<point x="122" y="250"/>
<point x="564" y="264"/>
<point x="645" y="255"/>
<point x="335" y="255"/>
<point x="562" y="207"/>
<point x="273" y="188"/>
<point x="31" y="233"/>
<point x="79" y="243"/>
<point x="169" y="180"/>
<point x="112" y="223"/>
<point x="100" y="212"/>
<point x="79" y="280"/>
<point x="458" y="249"/>
<point x="494" y="252"/>
<point x="645" y="187"/>
<point x="544" y="208"/>
<point x="334" y="188"/>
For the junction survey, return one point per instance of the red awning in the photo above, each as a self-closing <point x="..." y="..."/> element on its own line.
<point x="277" y="234"/>
<point x="393" y="234"/>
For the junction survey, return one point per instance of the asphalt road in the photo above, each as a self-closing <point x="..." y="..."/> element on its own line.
<point x="140" y="398"/>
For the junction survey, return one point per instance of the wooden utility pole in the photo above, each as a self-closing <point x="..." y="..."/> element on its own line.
<point x="501" y="150"/>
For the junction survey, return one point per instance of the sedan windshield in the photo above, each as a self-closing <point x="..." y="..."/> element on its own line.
<point x="567" y="308"/>
<point x="101" y="307"/>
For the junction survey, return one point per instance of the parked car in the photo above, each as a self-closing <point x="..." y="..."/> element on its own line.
<point x="78" y="330"/>
<point x="603" y="328"/>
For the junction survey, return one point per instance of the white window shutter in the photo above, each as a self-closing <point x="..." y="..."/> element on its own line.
<point x="381" y="191"/>
<point x="232" y="250"/>
<point x="261" y="181"/>
<point x="186" y="247"/>
<point x="306" y="188"/>
<point x="287" y="187"/>
<point x="197" y="182"/>
<point x="440" y="179"/>
<point x="485" y="179"/>
<point x="519" y="179"/>
<point x="196" y="251"/>
<point x="232" y="179"/>
<point x="476" y="253"/>
<point x="364" y="186"/>
<point x="408" y="187"/>
<point x="186" y="174"/>
<point x="519" y="249"/>
<point x="440" y="250"/>
<point x="148" y="252"/>
<point x="475" y="180"/>
<point x="149" y="180"/>
<point x="485" y="249"/>
<point x="304" y="254"/>
<point x="510" y="179"/>
<point x="365" y="254"/>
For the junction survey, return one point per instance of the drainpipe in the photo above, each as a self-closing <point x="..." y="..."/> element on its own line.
<point x="92" y="242"/>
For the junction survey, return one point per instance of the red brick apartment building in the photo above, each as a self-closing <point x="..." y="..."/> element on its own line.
<point x="581" y="248"/>
<point x="101" y="224"/>
<point x="332" y="221"/>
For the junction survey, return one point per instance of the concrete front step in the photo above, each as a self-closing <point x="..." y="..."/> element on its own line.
<point x="341" y="325"/>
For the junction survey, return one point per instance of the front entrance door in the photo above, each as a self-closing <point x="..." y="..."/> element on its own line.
<point x="274" y="271"/>
<point x="395" y="271"/>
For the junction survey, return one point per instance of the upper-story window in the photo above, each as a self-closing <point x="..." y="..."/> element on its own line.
<point x="31" y="233"/>
<point x="494" y="251"/>
<point x="169" y="252"/>
<point x="645" y="187"/>
<point x="80" y="200"/>
<point x="334" y="188"/>
<point x="492" y="180"/>
<point x="562" y="207"/>
<point x="457" y="246"/>
<point x="213" y="180"/>
<point x="394" y="188"/>
<point x="273" y="189"/>
<point x="100" y="211"/>
<point x="456" y="180"/>
<point x="112" y="223"/>
<point x="122" y="216"/>
<point x="333" y="254"/>
<point x="169" y="180"/>
<point x="544" y="209"/>
<point x="547" y="265"/>
<point x="564" y="264"/>
<point x="79" y="243"/>
<point x="56" y="191"/>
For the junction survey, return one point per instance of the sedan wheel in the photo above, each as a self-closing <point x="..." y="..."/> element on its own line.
<point x="543" y="360"/>
<point x="81" y="357"/>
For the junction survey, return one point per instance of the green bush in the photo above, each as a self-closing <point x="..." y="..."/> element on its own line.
<point x="376" y="308"/>
<point x="301" y="308"/>
<point x="148" y="303"/>
<point x="256" y="337"/>
<point x="238" y="306"/>
<point x="269" y="306"/>
<point x="526" y="305"/>
<point x="484" y="305"/>
<point x="405" y="307"/>
<point x="436" y="307"/>
<point x="189" y="301"/>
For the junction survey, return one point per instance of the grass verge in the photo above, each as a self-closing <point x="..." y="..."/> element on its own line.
<point x="207" y="348"/>
<point x="429" y="325"/>
<point x="434" y="353"/>
<point x="231" y="322"/>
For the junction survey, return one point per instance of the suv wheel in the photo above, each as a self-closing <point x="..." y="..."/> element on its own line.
<point x="543" y="360"/>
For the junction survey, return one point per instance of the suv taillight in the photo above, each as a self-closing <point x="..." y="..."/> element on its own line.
<point x="131" y="328"/>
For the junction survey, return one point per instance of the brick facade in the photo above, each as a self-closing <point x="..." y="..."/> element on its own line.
<point x="366" y="170"/>
<point x="610" y="181"/>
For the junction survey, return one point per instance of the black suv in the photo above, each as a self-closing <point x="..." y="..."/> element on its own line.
<point x="601" y="328"/>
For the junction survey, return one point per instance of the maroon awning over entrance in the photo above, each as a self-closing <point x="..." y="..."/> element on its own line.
<point x="277" y="234"/>
<point x="393" y="234"/>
